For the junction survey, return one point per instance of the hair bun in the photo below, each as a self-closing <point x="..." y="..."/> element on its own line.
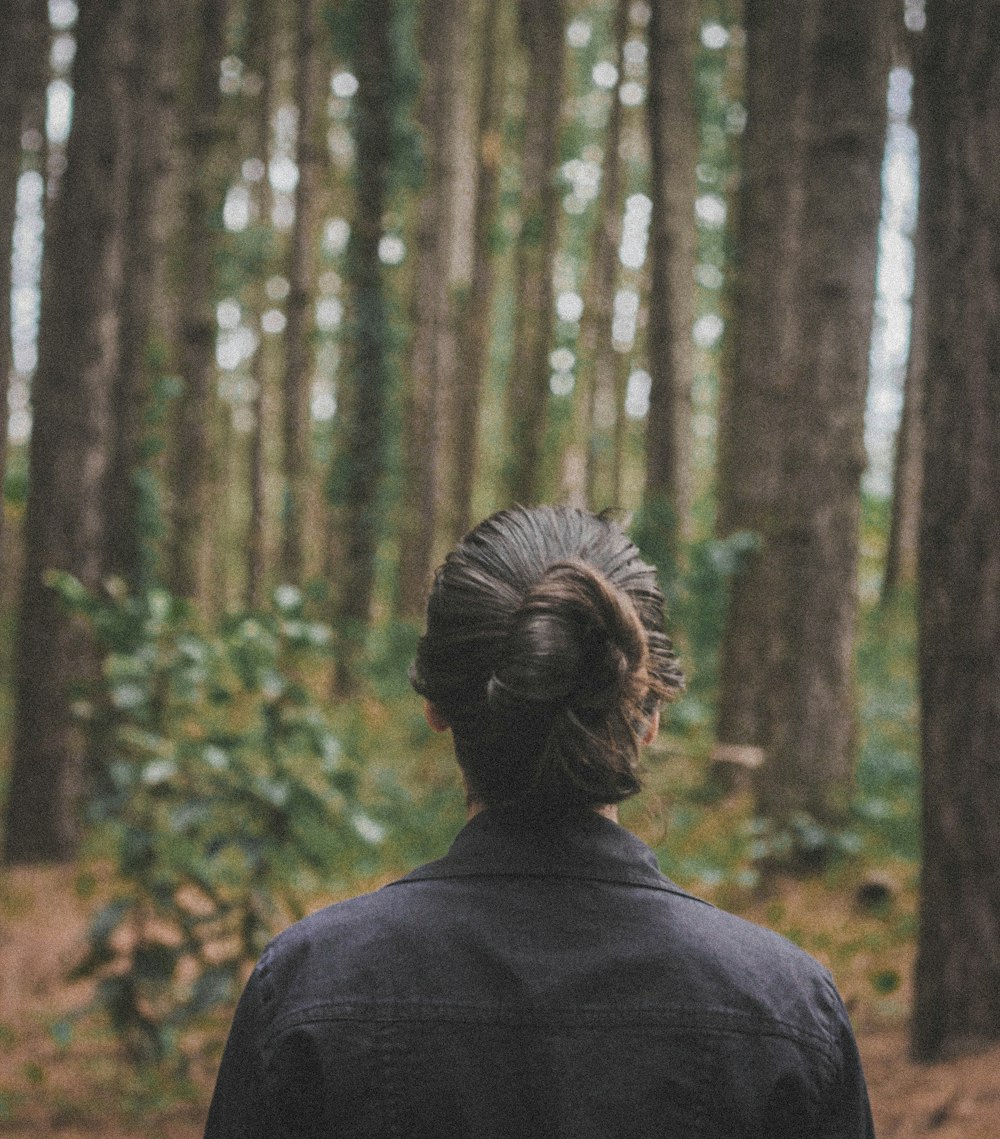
<point x="576" y="641"/>
<point x="547" y="654"/>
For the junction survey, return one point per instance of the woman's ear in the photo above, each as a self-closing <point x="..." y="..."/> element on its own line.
<point x="652" y="730"/>
<point x="437" y="722"/>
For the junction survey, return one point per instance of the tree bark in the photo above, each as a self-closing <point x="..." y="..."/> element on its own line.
<point x="813" y="721"/>
<point x="792" y="445"/>
<point x="474" y="326"/>
<point x="151" y="100"/>
<point x="542" y="34"/>
<point x="673" y="146"/>
<point x="957" y="981"/>
<point x="596" y="371"/>
<point x="203" y="192"/>
<point x="365" y="453"/>
<point x="619" y="434"/>
<point x="297" y="419"/>
<point x="78" y="362"/>
<point x="261" y="51"/>
<point x="904" y="527"/>
<point x="430" y="376"/>
<point x="757" y="388"/>
<point x="22" y="83"/>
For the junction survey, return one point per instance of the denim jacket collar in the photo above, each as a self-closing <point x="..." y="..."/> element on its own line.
<point x="586" y="845"/>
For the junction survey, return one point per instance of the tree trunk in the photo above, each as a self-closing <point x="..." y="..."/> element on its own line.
<point x="756" y="389"/>
<point x="203" y="192"/>
<point x="297" y="419"/>
<point x="904" y="528"/>
<point x="597" y="358"/>
<point x="151" y="96"/>
<point x="619" y="388"/>
<point x="256" y="548"/>
<point x="812" y="719"/>
<point x="542" y="33"/>
<point x="474" y="326"/>
<point x="366" y="440"/>
<point x="430" y="376"/>
<point x="225" y="480"/>
<point x="22" y="80"/>
<point x="673" y="146"/>
<point x="792" y="447"/>
<point x="78" y="364"/>
<point x="461" y="163"/>
<point x="261" y="51"/>
<point x="957" y="982"/>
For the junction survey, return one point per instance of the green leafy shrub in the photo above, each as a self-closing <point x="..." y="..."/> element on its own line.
<point x="222" y="794"/>
<point x="887" y="806"/>
<point x="697" y="588"/>
<point x="800" y="843"/>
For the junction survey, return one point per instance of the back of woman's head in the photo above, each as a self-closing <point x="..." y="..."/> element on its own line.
<point x="546" y="654"/>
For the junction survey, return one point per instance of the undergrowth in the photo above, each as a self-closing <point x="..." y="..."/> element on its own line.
<point x="224" y="801"/>
<point x="234" y="796"/>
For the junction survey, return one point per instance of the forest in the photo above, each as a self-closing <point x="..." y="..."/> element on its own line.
<point x="297" y="291"/>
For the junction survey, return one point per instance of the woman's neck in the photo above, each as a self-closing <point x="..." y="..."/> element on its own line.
<point x="609" y="810"/>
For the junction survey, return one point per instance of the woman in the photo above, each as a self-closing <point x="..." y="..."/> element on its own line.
<point x="543" y="978"/>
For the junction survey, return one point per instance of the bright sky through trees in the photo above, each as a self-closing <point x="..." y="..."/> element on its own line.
<point x="894" y="283"/>
<point x="890" y="342"/>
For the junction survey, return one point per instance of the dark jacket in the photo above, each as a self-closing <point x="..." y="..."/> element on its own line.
<point x="538" y="981"/>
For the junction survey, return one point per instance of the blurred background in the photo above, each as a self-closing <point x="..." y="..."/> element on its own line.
<point x="300" y="290"/>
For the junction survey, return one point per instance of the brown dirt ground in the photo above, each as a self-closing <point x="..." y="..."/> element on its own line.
<point x="85" y="1090"/>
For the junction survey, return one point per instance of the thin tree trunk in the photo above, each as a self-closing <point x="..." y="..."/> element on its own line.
<point x="256" y="549"/>
<point x="595" y="384"/>
<point x="365" y="419"/>
<point x="261" y="56"/>
<point x="432" y="360"/>
<point x="673" y="145"/>
<point x="297" y="418"/>
<point x="71" y="438"/>
<point x="474" y="326"/>
<point x="224" y="482"/>
<point x="191" y="491"/>
<point x="151" y="96"/>
<point x="22" y="82"/>
<point x="792" y="441"/>
<point x="904" y="528"/>
<point x="957" y="981"/>
<point x="620" y="429"/>
<point x="460" y="163"/>
<point x="542" y="33"/>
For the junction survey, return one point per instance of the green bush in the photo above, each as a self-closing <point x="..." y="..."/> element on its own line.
<point x="224" y="797"/>
<point x="696" y="586"/>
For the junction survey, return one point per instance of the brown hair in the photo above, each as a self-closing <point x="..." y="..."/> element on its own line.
<point x="545" y="652"/>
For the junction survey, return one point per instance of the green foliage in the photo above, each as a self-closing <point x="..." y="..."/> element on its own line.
<point x="408" y="158"/>
<point x="697" y="598"/>
<point x="224" y="798"/>
<point x="702" y="599"/>
<point x="654" y="531"/>
<point x="164" y="389"/>
<point x="887" y="806"/>
<point x="345" y="22"/>
<point x="800" y="843"/>
<point x="391" y="650"/>
<point x="15" y="486"/>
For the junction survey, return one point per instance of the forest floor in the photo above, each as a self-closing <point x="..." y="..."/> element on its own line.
<point x="68" y="1089"/>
